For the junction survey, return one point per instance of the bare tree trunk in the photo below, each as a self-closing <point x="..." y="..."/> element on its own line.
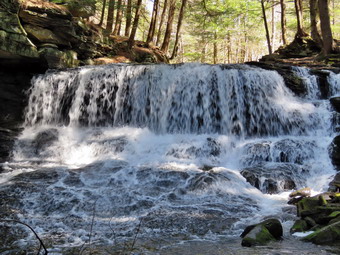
<point x="179" y="25"/>
<point x="102" y="14"/>
<point x="299" y="16"/>
<point x="326" y="31"/>
<point x="229" y="47"/>
<point x="314" y="17"/>
<point x="215" y="49"/>
<point x="119" y="17"/>
<point x="182" y="50"/>
<point x="153" y="22"/>
<point x="168" y="31"/>
<point x="283" y="21"/>
<point x="273" y="26"/>
<point x="202" y="43"/>
<point x="135" y="24"/>
<point x="110" y="16"/>
<point x="266" y="26"/>
<point x="161" y="22"/>
<point x="128" y="17"/>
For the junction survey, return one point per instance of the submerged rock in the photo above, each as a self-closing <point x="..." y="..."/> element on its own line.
<point x="262" y="233"/>
<point x="45" y="139"/>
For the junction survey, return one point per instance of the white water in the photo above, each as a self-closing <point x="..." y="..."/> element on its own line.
<point x="309" y="80"/>
<point x="164" y="145"/>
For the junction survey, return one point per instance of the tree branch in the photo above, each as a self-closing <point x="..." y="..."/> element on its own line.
<point x="35" y="233"/>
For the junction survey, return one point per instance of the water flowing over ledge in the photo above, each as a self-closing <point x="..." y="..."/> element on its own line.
<point x="188" y="98"/>
<point x="188" y="151"/>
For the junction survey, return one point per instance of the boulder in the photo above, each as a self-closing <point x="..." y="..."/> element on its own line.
<point x="262" y="233"/>
<point x="335" y="101"/>
<point x="299" y="226"/>
<point x="334" y="152"/>
<point x="326" y="235"/>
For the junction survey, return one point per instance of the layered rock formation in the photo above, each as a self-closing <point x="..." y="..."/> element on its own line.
<point x="47" y="34"/>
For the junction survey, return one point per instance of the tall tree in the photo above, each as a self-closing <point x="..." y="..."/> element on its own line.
<point x="110" y="16"/>
<point x="168" y="31"/>
<point x="273" y="25"/>
<point x="102" y="14"/>
<point x="128" y="17"/>
<point x="153" y="22"/>
<point x="299" y="16"/>
<point x="283" y="22"/>
<point x="314" y="18"/>
<point x="266" y="26"/>
<point x="215" y="52"/>
<point x="325" y="23"/>
<point x="179" y="25"/>
<point x="119" y="17"/>
<point x="159" y="34"/>
<point x="135" y="23"/>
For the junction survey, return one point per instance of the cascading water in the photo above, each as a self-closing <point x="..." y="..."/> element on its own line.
<point x="163" y="152"/>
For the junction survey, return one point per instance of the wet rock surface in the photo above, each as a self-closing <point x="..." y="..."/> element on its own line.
<point x="273" y="178"/>
<point x="262" y="233"/>
<point x="334" y="152"/>
<point x="335" y="101"/>
<point x="13" y="99"/>
<point x="320" y="214"/>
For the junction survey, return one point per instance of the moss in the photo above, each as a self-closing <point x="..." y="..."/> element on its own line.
<point x="257" y="236"/>
<point x="334" y="214"/>
<point x="307" y="206"/>
<point x="326" y="235"/>
<point x="299" y="226"/>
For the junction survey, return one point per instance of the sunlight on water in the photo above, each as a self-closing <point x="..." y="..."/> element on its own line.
<point x="124" y="144"/>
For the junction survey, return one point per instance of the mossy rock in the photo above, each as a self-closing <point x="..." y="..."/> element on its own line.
<point x="262" y="233"/>
<point x="326" y="235"/>
<point x="307" y="206"/>
<point x="299" y="226"/>
<point x="259" y="235"/>
<point x="337" y="219"/>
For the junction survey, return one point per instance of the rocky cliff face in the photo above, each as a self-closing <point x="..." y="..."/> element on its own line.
<point x="47" y="34"/>
<point x="13" y="85"/>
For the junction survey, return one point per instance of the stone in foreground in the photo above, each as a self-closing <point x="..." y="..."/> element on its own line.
<point x="262" y="233"/>
<point x="327" y="235"/>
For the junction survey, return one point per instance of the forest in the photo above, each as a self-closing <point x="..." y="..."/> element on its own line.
<point x="214" y="31"/>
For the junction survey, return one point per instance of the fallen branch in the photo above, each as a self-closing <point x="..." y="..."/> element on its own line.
<point x="137" y="232"/>
<point x="35" y="233"/>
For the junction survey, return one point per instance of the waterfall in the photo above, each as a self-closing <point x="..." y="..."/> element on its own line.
<point x="188" y="151"/>
<point x="309" y="80"/>
<point x="188" y="98"/>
